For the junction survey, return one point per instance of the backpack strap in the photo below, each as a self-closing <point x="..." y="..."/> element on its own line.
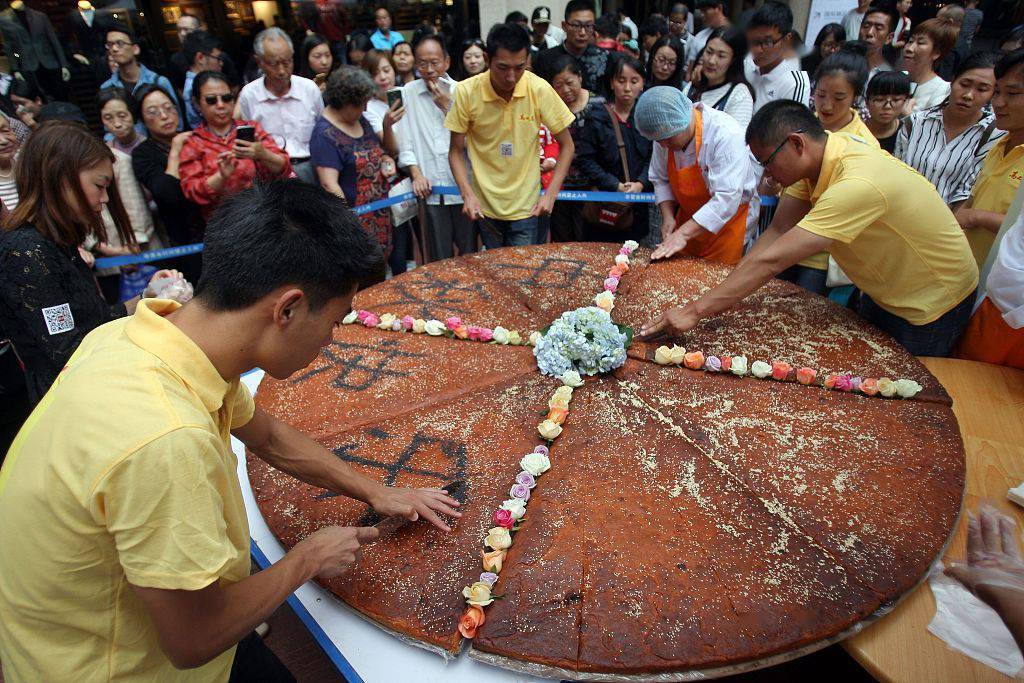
<point x="619" y="141"/>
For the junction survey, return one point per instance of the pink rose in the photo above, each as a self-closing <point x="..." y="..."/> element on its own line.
<point x="611" y="284"/>
<point x="486" y="334"/>
<point x="361" y="316"/>
<point x="371" y="320"/>
<point x="503" y="518"/>
<point x="474" y="332"/>
<point x="453" y="322"/>
<point x="407" y="322"/>
<point x="844" y="383"/>
<point x="625" y="252"/>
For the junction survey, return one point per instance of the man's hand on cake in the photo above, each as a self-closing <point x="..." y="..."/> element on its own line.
<point x="332" y="551"/>
<point x="414" y="504"/>
<point x="672" y="245"/>
<point x="670" y="324"/>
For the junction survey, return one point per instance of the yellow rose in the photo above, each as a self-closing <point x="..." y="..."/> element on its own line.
<point x="549" y="430"/>
<point x="386" y="321"/>
<point x="419" y="326"/>
<point x="559" y="401"/>
<point x="493" y="560"/>
<point x="498" y="538"/>
<point x="514" y="339"/>
<point x="478" y="594"/>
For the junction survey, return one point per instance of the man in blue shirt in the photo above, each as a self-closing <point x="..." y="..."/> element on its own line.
<point x="202" y="53"/>
<point x="384" y="38"/>
<point x="124" y="50"/>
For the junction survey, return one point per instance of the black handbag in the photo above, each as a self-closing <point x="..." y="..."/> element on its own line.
<point x="612" y="215"/>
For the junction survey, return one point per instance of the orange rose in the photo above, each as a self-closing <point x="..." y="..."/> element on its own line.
<point x="462" y="332"/>
<point x="472" y="619"/>
<point x="618" y="271"/>
<point x="493" y="560"/>
<point x="558" y="415"/>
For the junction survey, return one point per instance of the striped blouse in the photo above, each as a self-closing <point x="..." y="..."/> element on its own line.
<point x="9" y="193"/>
<point x="952" y="166"/>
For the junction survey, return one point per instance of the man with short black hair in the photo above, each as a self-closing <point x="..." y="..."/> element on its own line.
<point x="876" y="31"/>
<point x="202" y="52"/>
<point x="148" y="516"/>
<point x="131" y="74"/>
<point x="651" y="31"/>
<point x="771" y="75"/>
<point x="714" y="14"/>
<point x="909" y="259"/>
<point x="496" y="115"/>
<point x="384" y="38"/>
<point x="580" y="18"/>
<point x="285" y="104"/>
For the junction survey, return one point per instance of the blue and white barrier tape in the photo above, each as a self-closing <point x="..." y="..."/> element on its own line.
<point x="447" y="190"/>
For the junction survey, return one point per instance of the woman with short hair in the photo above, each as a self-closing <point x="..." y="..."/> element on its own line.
<point x="929" y="43"/>
<point x="49" y="299"/>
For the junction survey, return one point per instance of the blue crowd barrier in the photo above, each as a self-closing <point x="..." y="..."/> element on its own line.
<point x="448" y="190"/>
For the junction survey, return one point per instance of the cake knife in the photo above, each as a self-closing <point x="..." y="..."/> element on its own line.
<point x="389" y="525"/>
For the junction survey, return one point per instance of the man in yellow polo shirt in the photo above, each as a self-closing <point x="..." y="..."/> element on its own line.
<point x="497" y="115"/>
<point x="982" y="215"/>
<point x="885" y="225"/>
<point x="124" y="535"/>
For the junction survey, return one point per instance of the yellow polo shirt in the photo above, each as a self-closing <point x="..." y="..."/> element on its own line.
<point x="857" y="127"/>
<point x="893" y="235"/>
<point x="994" y="189"/>
<point x="122" y="475"/>
<point x="501" y="138"/>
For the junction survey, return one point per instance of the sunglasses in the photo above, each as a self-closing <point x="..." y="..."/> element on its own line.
<point x="226" y="99"/>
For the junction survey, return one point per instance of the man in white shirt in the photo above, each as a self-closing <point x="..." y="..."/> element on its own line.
<point x="423" y="144"/>
<point x="852" y="20"/>
<point x="704" y="181"/>
<point x="770" y="74"/>
<point x="287" y="106"/>
<point x="714" y="14"/>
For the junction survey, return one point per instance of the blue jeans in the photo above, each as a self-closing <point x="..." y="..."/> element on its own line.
<point x="936" y="338"/>
<point x="811" y="279"/>
<point x="512" y="233"/>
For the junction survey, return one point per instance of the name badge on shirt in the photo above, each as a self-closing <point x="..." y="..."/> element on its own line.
<point x="506" y="150"/>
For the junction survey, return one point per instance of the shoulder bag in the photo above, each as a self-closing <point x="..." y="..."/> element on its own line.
<point x="612" y="215"/>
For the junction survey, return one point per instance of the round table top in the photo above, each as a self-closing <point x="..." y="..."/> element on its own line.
<point x="989" y="404"/>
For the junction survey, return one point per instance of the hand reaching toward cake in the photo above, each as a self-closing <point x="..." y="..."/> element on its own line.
<point x="672" y="323"/>
<point x="415" y="503"/>
<point x="332" y="551"/>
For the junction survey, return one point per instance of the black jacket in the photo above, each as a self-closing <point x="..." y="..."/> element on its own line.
<point x="597" y="152"/>
<point x="49" y="301"/>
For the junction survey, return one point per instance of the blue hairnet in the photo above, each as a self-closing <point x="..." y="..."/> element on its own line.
<point x="662" y="112"/>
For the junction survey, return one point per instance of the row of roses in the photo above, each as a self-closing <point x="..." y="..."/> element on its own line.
<point x="782" y="371"/>
<point x="605" y="300"/>
<point x="451" y="327"/>
<point x="508" y="517"/>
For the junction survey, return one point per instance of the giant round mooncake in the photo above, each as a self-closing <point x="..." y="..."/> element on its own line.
<point x="690" y="521"/>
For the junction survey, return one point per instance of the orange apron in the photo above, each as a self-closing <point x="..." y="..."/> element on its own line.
<point x="691" y="193"/>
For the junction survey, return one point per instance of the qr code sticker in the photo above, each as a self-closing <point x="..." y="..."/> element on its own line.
<point x="506" y="149"/>
<point x="59" y="319"/>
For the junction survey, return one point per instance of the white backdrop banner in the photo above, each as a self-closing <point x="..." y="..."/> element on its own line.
<point x="826" y="12"/>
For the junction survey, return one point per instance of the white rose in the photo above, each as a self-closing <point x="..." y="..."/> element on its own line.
<point x="435" y="328"/>
<point x="498" y="538"/>
<point x="534" y="338"/>
<point x="570" y="378"/>
<point x="419" y="326"/>
<point x="632" y="245"/>
<point x="621" y="259"/>
<point x="386" y="321"/>
<point x="478" y="594"/>
<point x="907" y="388"/>
<point x="760" y="369"/>
<point x="549" y="430"/>
<point x="535" y="463"/>
<point x="663" y="356"/>
<point x="350" y="318"/>
<point x="500" y="335"/>
<point x="605" y="301"/>
<point x="517" y="506"/>
<point x="739" y="365"/>
<point x="677" y="354"/>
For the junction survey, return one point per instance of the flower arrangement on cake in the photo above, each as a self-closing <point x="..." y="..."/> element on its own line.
<point x="585" y="340"/>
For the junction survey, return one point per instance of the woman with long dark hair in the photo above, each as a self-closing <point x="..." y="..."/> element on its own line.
<point x="666" y="63"/>
<point x="49" y="299"/>
<point x="830" y="38"/>
<point x="722" y="85"/>
<point x="315" y="58"/>
<point x="472" y="59"/>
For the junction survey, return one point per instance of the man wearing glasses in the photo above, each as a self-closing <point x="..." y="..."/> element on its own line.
<point x="909" y="259"/>
<point x="131" y="74"/>
<point x="770" y="74"/>
<point x="287" y="106"/>
<point x="202" y="51"/>
<point x="580" y="18"/>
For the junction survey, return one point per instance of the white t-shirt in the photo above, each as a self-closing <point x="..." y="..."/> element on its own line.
<point x="1006" y="279"/>
<point x="9" y="193"/>
<point x="787" y="81"/>
<point x="852" y="22"/>
<point x="375" y="111"/>
<point x="930" y="94"/>
<point x="740" y="104"/>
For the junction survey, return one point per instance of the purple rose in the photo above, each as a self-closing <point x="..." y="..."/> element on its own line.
<point x="526" y="479"/>
<point x="855" y="383"/>
<point x="490" y="578"/>
<point x="713" y="364"/>
<point x="541" y="449"/>
<point x="520" y="491"/>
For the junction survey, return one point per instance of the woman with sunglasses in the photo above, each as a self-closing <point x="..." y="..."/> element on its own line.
<point x="215" y="162"/>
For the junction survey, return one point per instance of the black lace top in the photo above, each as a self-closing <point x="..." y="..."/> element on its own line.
<point x="49" y="301"/>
